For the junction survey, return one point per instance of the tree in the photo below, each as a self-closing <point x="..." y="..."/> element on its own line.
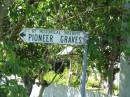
<point x="102" y="19"/>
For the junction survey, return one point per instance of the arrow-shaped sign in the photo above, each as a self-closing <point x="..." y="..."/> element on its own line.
<point x="38" y="35"/>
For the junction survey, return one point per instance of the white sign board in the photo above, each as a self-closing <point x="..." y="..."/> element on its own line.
<point x="39" y="35"/>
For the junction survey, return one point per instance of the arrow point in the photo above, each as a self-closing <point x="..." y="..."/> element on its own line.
<point x="22" y="34"/>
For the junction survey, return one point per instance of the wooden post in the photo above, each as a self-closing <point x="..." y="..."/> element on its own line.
<point x="84" y="68"/>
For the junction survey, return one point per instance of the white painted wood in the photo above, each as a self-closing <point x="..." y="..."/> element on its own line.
<point x="124" y="77"/>
<point x="35" y="90"/>
<point x="64" y="91"/>
<point x="39" y="35"/>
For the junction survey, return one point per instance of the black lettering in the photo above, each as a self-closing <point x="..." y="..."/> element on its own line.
<point x="69" y="39"/>
<point x="34" y="37"/>
<point x="47" y="39"/>
<point x="61" y="39"/>
<point x="73" y="39"/>
<point x="65" y="39"/>
<point x="43" y="38"/>
<point x="30" y="37"/>
<point x="56" y="32"/>
<point x="80" y="39"/>
<point x="51" y="38"/>
<point x="40" y="37"/>
<point x="76" y="39"/>
<point x="33" y="30"/>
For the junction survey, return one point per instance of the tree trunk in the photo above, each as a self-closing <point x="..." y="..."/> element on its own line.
<point x="4" y="12"/>
<point x="110" y="79"/>
<point x="28" y="82"/>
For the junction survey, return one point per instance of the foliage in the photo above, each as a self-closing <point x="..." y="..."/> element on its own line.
<point x="12" y="89"/>
<point x="101" y="18"/>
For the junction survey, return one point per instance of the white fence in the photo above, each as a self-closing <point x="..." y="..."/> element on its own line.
<point x="64" y="91"/>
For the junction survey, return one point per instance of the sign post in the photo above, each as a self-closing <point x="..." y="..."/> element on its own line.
<point x="39" y="35"/>
<point x="84" y="68"/>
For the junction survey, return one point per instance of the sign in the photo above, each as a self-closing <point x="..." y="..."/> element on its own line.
<point x="39" y="35"/>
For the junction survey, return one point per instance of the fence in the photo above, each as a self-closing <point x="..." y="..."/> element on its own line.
<point x="64" y="91"/>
